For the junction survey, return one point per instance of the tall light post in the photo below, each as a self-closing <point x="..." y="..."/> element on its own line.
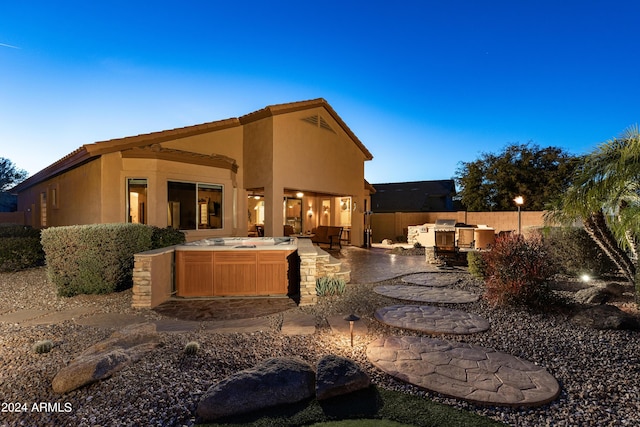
<point x="519" y="201"/>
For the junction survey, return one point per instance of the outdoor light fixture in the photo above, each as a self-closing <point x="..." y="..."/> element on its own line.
<point x="310" y="212"/>
<point x="351" y="318"/>
<point x="519" y="201"/>
<point x="299" y="194"/>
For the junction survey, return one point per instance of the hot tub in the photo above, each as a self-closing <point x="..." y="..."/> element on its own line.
<point x="234" y="266"/>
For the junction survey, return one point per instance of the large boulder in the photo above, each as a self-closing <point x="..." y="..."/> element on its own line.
<point x="592" y="295"/>
<point x="337" y="375"/>
<point x="274" y="382"/>
<point x="599" y="294"/>
<point x="606" y="317"/>
<point x="107" y="357"/>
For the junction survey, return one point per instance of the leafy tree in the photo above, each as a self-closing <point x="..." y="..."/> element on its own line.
<point x="10" y="175"/>
<point x="605" y="195"/>
<point x="491" y="182"/>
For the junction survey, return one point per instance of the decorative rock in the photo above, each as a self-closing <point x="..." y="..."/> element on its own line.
<point x="615" y="289"/>
<point x="107" y="357"/>
<point x="592" y="295"/>
<point x="274" y="382"/>
<point x="606" y="317"/>
<point x="337" y="376"/>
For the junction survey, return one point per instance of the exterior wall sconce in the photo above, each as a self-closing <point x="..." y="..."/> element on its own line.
<point x="310" y="212"/>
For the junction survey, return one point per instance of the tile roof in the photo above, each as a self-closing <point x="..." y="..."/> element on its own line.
<point x="91" y="151"/>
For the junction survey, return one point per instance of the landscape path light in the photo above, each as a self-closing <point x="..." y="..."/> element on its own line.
<point x="519" y="201"/>
<point x="351" y="318"/>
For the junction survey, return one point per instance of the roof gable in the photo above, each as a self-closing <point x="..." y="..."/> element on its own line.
<point x="274" y="110"/>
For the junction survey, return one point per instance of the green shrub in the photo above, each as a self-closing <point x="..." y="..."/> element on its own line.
<point x="517" y="270"/>
<point x="575" y="253"/>
<point x="93" y="259"/>
<point x="326" y="286"/>
<point x="20" y="248"/>
<point x="41" y="347"/>
<point x="163" y="237"/>
<point x="477" y="265"/>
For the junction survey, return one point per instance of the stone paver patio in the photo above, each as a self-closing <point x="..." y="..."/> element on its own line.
<point x="473" y="373"/>
<point x="432" y="320"/>
<point x="430" y="279"/>
<point x="426" y="294"/>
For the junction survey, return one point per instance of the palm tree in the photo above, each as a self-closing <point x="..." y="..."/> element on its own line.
<point x="605" y="195"/>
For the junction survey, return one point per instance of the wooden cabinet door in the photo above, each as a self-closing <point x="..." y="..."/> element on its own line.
<point x="272" y="273"/>
<point x="194" y="273"/>
<point x="234" y="273"/>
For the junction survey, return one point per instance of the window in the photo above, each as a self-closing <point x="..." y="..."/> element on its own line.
<point x="43" y="209"/>
<point x="194" y="206"/>
<point x="137" y="200"/>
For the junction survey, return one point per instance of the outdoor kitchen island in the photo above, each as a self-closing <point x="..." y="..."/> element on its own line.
<point x="235" y="266"/>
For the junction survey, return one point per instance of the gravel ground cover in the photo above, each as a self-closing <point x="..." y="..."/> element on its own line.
<point x="598" y="371"/>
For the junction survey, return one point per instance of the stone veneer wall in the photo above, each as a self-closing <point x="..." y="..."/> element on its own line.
<point x="308" y="272"/>
<point x="152" y="277"/>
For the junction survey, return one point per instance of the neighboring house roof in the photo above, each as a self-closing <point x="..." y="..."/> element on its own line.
<point x="416" y="196"/>
<point x="146" y="141"/>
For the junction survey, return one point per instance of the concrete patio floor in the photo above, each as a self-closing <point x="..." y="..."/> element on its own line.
<point x="376" y="264"/>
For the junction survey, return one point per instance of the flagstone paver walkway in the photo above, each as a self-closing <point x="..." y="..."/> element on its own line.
<point x="432" y="320"/>
<point x="477" y="374"/>
<point x="295" y="322"/>
<point x="426" y="294"/>
<point x="430" y="279"/>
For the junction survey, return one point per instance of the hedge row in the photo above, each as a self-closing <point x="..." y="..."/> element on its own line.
<point x="20" y="248"/>
<point x="96" y="259"/>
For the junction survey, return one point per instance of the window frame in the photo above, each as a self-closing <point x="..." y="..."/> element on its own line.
<point x="196" y="205"/>
<point x="127" y="209"/>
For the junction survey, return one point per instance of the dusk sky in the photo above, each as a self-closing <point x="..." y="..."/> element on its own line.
<point x="423" y="84"/>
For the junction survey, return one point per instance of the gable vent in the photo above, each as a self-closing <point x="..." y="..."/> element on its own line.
<point x="319" y="121"/>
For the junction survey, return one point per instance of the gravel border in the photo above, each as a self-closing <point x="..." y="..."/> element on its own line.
<point x="597" y="370"/>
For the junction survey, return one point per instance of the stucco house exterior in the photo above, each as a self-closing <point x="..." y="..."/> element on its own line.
<point x="296" y="164"/>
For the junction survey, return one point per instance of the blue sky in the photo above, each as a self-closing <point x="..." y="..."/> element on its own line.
<point x="424" y="84"/>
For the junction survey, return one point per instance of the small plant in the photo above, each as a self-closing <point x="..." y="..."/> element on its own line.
<point x="477" y="265"/>
<point x="326" y="286"/>
<point x="417" y="245"/>
<point x="41" y="347"/>
<point x="191" y="348"/>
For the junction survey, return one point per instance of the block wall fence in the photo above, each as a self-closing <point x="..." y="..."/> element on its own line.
<point x="393" y="225"/>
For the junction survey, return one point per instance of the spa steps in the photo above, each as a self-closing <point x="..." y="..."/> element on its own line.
<point x="331" y="267"/>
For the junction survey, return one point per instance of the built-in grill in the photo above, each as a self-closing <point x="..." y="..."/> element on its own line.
<point x="445" y="233"/>
<point x="445" y="225"/>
